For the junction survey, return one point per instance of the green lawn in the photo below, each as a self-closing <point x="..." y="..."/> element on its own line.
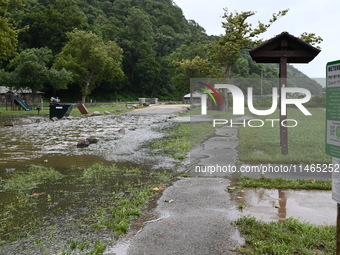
<point x="306" y="141"/>
<point x="281" y="183"/>
<point x="288" y="237"/>
<point x="75" y="112"/>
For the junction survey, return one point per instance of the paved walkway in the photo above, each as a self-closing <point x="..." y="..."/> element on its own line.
<point x="197" y="220"/>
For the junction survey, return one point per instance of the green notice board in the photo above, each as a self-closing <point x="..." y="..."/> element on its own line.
<point x="333" y="109"/>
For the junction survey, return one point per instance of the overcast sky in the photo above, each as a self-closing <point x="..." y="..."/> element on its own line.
<point x="321" y="17"/>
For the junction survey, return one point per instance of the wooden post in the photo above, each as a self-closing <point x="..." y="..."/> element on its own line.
<point x="283" y="83"/>
<point x="338" y="231"/>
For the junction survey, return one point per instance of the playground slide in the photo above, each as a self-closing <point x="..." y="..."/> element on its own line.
<point x="22" y="104"/>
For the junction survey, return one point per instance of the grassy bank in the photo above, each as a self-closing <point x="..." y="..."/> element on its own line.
<point x="281" y="183"/>
<point x="306" y="141"/>
<point x="287" y="237"/>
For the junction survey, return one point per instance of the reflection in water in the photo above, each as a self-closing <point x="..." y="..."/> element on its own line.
<point x="313" y="206"/>
<point x="282" y="204"/>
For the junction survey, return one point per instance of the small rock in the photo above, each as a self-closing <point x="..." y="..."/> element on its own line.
<point x="54" y="119"/>
<point x="37" y="120"/>
<point x="146" y="104"/>
<point x="92" y="140"/>
<point x="8" y="170"/>
<point x="107" y="112"/>
<point x="26" y="121"/>
<point x="9" y="124"/>
<point x="119" y="110"/>
<point x="121" y="131"/>
<point x="96" y="113"/>
<point x="83" y="143"/>
<point x="135" y="106"/>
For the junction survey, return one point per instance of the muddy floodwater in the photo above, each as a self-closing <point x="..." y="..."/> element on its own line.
<point x="120" y="139"/>
<point x="316" y="207"/>
<point x="59" y="216"/>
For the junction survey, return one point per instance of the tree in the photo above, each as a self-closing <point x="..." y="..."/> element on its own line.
<point x="90" y="60"/>
<point x="47" y="22"/>
<point x="239" y="34"/>
<point x="137" y="40"/>
<point x="59" y="79"/>
<point x="8" y="33"/>
<point x="30" y="69"/>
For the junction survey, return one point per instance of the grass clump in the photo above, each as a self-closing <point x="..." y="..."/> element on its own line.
<point x="288" y="237"/>
<point x="99" y="172"/>
<point x="281" y="183"/>
<point x="177" y="143"/>
<point x="34" y="176"/>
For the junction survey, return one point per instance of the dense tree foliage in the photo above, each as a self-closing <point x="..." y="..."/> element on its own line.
<point x="32" y="69"/>
<point x="149" y="46"/>
<point x="8" y="32"/>
<point x="90" y="59"/>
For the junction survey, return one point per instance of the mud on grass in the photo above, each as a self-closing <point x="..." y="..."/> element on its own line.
<point x="79" y="213"/>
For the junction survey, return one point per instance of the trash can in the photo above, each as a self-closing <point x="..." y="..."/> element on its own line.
<point x="60" y="110"/>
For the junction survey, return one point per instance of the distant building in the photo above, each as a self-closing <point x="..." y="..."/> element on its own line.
<point x="25" y="94"/>
<point x="196" y="98"/>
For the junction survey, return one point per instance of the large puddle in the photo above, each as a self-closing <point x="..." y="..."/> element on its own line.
<point x="316" y="207"/>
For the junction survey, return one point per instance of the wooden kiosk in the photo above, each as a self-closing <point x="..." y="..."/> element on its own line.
<point x="283" y="49"/>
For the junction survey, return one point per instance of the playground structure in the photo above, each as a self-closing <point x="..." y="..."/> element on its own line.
<point x="15" y="102"/>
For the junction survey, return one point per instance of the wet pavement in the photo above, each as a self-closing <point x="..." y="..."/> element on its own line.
<point x="194" y="217"/>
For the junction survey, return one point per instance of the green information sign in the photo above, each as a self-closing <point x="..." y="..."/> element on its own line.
<point x="333" y="109"/>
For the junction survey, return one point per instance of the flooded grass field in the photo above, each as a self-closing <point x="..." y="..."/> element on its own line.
<point x="74" y="209"/>
<point x="56" y="198"/>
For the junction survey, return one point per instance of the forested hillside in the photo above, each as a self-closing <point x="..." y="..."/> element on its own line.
<point x="118" y="49"/>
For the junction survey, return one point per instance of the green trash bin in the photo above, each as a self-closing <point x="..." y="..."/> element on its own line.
<point x="60" y="110"/>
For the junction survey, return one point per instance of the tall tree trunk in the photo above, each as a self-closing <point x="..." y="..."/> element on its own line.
<point x="225" y="99"/>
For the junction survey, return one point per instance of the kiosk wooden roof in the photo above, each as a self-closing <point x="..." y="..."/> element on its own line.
<point x="287" y="46"/>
